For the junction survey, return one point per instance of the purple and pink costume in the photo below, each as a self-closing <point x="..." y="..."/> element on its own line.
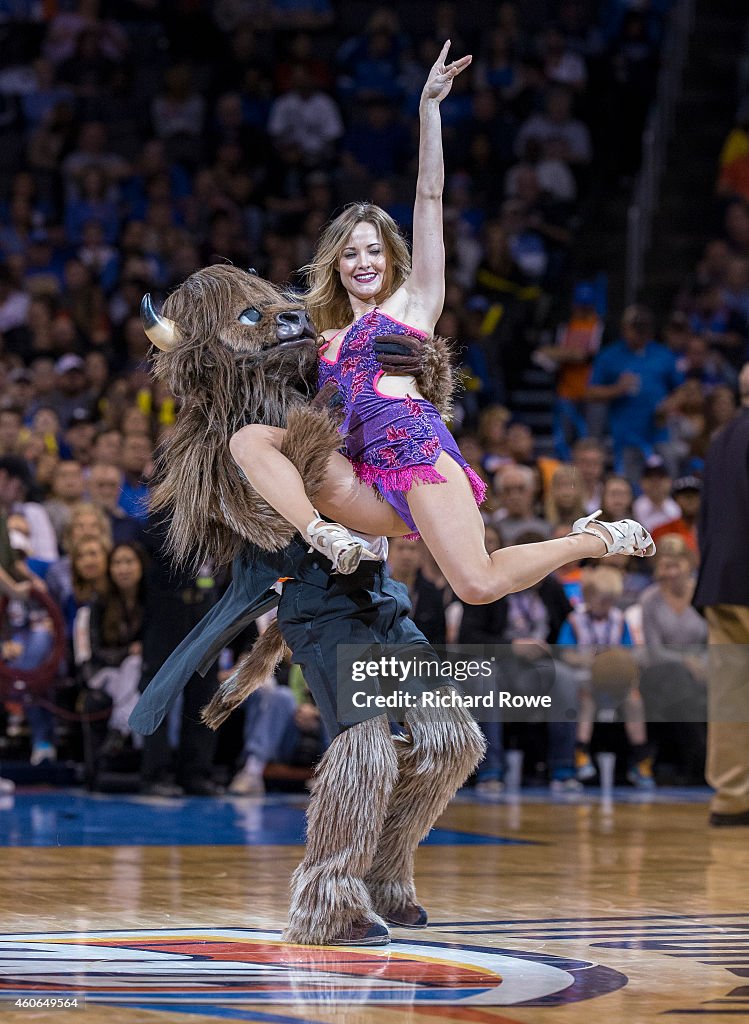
<point x="391" y="442"/>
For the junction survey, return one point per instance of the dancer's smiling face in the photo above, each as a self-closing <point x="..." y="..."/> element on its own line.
<point x="363" y="264"/>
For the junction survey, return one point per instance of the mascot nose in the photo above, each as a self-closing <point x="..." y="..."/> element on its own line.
<point x="293" y="324"/>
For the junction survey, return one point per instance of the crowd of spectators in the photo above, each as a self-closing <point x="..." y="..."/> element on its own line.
<point x="140" y="140"/>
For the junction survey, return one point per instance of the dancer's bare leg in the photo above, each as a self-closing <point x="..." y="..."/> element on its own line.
<point x="449" y="522"/>
<point x="257" y="451"/>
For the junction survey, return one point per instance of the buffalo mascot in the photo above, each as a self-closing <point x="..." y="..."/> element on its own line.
<point x="235" y="350"/>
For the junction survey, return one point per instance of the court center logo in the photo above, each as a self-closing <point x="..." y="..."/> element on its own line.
<point x="187" y="970"/>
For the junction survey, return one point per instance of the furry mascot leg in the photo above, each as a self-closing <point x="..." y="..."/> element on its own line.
<point x="443" y="748"/>
<point x="330" y="904"/>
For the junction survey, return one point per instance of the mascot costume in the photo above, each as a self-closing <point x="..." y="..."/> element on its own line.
<point x="235" y="350"/>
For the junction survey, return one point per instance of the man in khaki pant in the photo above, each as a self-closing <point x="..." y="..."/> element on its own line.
<point x="723" y="592"/>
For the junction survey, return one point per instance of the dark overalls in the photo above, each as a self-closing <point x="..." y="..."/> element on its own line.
<point x="317" y="611"/>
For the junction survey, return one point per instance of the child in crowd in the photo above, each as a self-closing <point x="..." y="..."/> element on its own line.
<point x="609" y="678"/>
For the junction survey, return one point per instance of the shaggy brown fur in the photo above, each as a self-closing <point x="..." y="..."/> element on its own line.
<point x="437" y="379"/>
<point x="442" y="750"/>
<point x="228" y="374"/>
<point x="345" y="816"/>
<point x="251" y="672"/>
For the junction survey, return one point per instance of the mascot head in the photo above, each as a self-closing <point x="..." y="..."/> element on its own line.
<point x="223" y="317"/>
<point x="235" y="350"/>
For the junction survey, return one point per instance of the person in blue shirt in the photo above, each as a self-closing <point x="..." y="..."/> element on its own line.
<point x="635" y="376"/>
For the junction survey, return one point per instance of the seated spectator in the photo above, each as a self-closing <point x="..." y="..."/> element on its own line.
<point x="733" y="178"/>
<point x="558" y="123"/>
<point x="720" y="409"/>
<point x="428" y="601"/>
<point x="11" y="422"/>
<point x="597" y="629"/>
<point x="88" y="572"/>
<point x="281" y="728"/>
<point x="685" y="424"/>
<point x="589" y="460"/>
<point x="104" y="489"/>
<point x="528" y="622"/>
<point x="516" y="489"/>
<point x="564" y="501"/>
<point x="701" y="363"/>
<point x="28" y="634"/>
<point x="306" y="118"/>
<point x="492" y="438"/>
<point x="634" y="376"/>
<point x="562" y="66"/>
<point x="72" y="391"/>
<point x="68" y="486"/>
<point x="108" y="639"/>
<point x="42" y="540"/>
<point x="137" y="465"/>
<point x="378" y="146"/>
<point x="675" y="635"/>
<point x="79" y="437"/>
<point x="719" y="324"/>
<point x="177" y="113"/>
<point x="655" y="506"/>
<point x="107" y="447"/>
<point x="687" y="493"/>
<point x="85" y="520"/>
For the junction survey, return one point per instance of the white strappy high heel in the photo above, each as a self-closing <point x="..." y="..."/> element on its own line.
<point x="625" y="537"/>
<point x="336" y="543"/>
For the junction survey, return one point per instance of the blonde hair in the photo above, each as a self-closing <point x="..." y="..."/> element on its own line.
<point x="673" y="545"/>
<point x="604" y="580"/>
<point x="87" y="508"/>
<point x="567" y="474"/>
<point x="327" y="300"/>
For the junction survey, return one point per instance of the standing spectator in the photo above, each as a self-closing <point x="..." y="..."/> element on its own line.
<point x="577" y="343"/>
<point x="723" y="592"/>
<point x="635" y="375"/>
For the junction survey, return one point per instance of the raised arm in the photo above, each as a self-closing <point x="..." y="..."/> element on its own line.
<point x="425" y="287"/>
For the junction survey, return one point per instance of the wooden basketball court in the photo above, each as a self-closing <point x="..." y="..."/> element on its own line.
<point x="563" y="910"/>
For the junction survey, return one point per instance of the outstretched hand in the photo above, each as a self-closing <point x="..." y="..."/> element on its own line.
<point x="440" y="79"/>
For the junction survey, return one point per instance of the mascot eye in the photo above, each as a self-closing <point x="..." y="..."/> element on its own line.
<point x="250" y="316"/>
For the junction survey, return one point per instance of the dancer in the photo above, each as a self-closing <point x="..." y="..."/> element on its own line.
<point x="363" y="286"/>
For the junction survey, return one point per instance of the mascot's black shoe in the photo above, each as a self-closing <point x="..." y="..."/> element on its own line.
<point x="362" y="933"/>
<point x="409" y="915"/>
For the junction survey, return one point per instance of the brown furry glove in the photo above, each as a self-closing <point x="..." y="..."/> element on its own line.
<point x="329" y="399"/>
<point x="399" y="354"/>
